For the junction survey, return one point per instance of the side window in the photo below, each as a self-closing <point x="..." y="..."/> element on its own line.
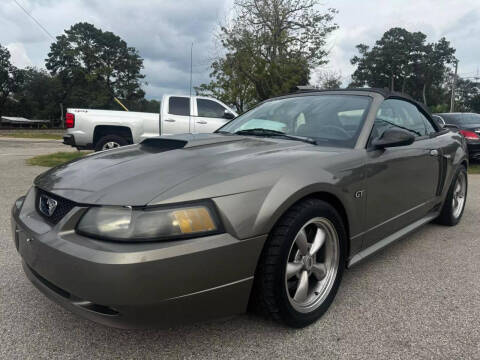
<point x="428" y="125"/>
<point x="179" y="105"/>
<point x="209" y="108"/>
<point x="401" y="114"/>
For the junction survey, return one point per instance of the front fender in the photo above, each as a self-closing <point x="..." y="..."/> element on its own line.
<point x="253" y="213"/>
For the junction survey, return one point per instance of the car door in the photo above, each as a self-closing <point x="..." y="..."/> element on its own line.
<point x="401" y="181"/>
<point x="210" y="115"/>
<point x="177" y="116"/>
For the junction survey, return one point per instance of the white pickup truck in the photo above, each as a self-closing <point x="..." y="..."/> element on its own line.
<point x="106" y="129"/>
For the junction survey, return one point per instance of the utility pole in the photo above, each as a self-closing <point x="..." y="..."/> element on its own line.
<point x="191" y="68"/>
<point x="191" y="72"/>
<point x="454" y="83"/>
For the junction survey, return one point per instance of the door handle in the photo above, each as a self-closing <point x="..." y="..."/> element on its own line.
<point x="170" y="120"/>
<point x="201" y="122"/>
<point x="434" y="152"/>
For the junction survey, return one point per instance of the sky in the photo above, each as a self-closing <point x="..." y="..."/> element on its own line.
<point x="163" y="32"/>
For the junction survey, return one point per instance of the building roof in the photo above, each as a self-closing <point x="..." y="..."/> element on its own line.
<point x="20" y="120"/>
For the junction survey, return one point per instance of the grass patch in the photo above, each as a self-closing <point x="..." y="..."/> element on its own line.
<point x="55" y="159"/>
<point x="474" y="168"/>
<point x="33" y="135"/>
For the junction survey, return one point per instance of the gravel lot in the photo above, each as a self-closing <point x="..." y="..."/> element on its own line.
<point x="420" y="298"/>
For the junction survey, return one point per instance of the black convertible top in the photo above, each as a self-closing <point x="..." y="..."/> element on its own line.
<point x="386" y="93"/>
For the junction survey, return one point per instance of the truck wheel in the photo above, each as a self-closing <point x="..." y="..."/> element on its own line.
<point x="110" y="142"/>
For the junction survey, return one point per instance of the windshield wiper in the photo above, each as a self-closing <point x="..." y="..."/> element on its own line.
<point x="398" y="126"/>
<point x="267" y="132"/>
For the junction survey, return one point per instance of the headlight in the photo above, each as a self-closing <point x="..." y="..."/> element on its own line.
<point x="148" y="224"/>
<point x="19" y="202"/>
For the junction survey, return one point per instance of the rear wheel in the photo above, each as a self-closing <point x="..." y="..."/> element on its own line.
<point x="301" y="265"/>
<point x="110" y="142"/>
<point x="454" y="205"/>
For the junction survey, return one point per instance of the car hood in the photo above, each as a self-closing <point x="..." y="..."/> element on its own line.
<point x="138" y="174"/>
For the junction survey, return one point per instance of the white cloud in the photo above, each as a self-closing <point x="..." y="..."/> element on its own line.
<point x="163" y="30"/>
<point x="366" y="21"/>
<point x="19" y="56"/>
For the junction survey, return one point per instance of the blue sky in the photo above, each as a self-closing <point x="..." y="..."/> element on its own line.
<point x="163" y="30"/>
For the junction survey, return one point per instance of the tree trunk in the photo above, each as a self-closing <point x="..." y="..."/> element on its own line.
<point x="62" y="122"/>
<point x="403" y="85"/>
<point x="392" y="82"/>
<point x="424" y="93"/>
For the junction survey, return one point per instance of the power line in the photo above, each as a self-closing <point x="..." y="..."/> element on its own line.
<point x="36" y="21"/>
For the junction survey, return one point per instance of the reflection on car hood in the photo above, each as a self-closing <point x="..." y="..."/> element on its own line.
<point x="136" y="174"/>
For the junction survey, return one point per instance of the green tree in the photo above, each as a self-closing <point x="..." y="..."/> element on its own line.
<point x="431" y="69"/>
<point x="94" y="66"/>
<point x="10" y="77"/>
<point x="389" y="63"/>
<point x="403" y="61"/>
<point x="38" y="96"/>
<point x="467" y="95"/>
<point x="229" y="84"/>
<point x="144" y="105"/>
<point x="329" y="80"/>
<point x="270" y="47"/>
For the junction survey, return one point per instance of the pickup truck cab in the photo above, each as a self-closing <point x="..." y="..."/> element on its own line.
<point x="107" y="129"/>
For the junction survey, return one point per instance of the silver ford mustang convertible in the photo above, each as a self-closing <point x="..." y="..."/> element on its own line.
<point x="265" y="214"/>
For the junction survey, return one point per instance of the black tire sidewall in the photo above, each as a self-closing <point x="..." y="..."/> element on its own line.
<point x="448" y="207"/>
<point x="115" y="138"/>
<point x="288" y="314"/>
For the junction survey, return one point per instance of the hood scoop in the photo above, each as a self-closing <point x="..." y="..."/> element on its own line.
<point x="159" y="143"/>
<point x="185" y="141"/>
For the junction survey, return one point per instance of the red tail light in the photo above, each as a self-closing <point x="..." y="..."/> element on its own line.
<point x="69" y="120"/>
<point x="470" y="135"/>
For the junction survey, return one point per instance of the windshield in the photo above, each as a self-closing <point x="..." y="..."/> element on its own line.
<point x="461" y="119"/>
<point x="335" y="120"/>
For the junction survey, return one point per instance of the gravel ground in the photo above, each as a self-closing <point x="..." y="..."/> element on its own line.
<point x="420" y="298"/>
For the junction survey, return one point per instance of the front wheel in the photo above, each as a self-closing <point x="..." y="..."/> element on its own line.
<point x="456" y="199"/>
<point x="301" y="265"/>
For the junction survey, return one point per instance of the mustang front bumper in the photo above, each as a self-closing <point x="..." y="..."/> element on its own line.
<point x="133" y="285"/>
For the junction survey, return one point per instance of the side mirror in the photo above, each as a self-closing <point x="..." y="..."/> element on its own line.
<point x="393" y="137"/>
<point x="228" y="115"/>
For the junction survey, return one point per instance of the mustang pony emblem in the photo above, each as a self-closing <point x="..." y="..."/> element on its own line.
<point x="47" y="205"/>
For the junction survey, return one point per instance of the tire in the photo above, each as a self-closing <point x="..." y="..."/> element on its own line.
<point x="116" y="140"/>
<point x="276" y="292"/>
<point x="451" y="214"/>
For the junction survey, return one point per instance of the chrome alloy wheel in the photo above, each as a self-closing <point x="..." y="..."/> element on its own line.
<point x="459" y="192"/>
<point x="110" y="145"/>
<point x="312" y="265"/>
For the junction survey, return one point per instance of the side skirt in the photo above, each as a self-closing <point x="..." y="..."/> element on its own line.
<point x="390" y="239"/>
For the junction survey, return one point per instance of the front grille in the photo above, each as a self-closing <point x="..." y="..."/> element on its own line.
<point x="63" y="206"/>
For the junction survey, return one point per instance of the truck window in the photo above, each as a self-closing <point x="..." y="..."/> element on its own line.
<point x="179" y="106"/>
<point x="208" y="108"/>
